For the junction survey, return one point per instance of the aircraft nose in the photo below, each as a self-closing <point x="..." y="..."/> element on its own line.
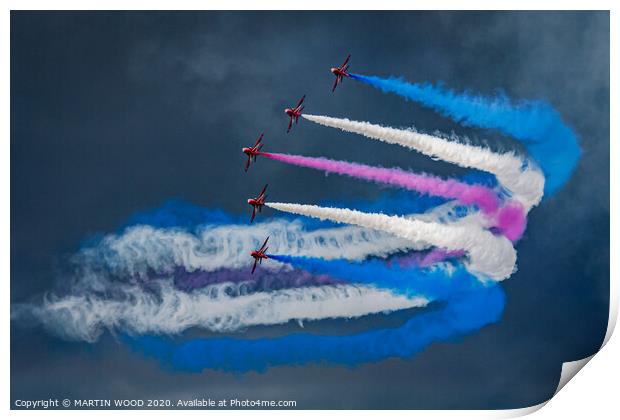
<point x="333" y="70"/>
<point x="249" y="201"/>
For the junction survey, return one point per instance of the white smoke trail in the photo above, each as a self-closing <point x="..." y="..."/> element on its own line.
<point x="143" y="248"/>
<point x="171" y="311"/>
<point x="489" y="255"/>
<point x="525" y="182"/>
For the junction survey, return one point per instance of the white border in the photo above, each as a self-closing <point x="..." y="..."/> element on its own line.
<point x="595" y="393"/>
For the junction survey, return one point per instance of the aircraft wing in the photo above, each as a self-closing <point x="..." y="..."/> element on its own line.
<point x="346" y="61"/>
<point x="262" y="248"/>
<point x="300" y="101"/>
<point x="253" y="214"/>
<point x="254" y="267"/>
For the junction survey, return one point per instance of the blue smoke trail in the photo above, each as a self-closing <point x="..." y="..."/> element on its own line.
<point x="432" y="283"/>
<point x="176" y="213"/>
<point x="551" y="143"/>
<point x="462" y="314"/>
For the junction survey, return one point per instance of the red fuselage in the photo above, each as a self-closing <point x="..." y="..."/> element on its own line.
<point x="256" y="202"/>
<point x="340" y="72"/>
<point x="259" y="255"/>
<point x="292" y="113"/>
<point x="252" y="153"/>
<point x="337" y="71"/>
<point x="249" y="151"/>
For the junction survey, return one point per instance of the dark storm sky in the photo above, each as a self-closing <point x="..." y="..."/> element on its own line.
<point x="113" y="113"/>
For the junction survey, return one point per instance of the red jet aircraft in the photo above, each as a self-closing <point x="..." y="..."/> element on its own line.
<point x="257" y="203"/>
<point x="340" y="72"/>
<point x="294" y="113"/>
<point x="259" y="254"/>
<point x="253" y="151"/>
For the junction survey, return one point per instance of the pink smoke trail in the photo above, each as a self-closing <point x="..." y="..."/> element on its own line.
<point x="510" y="220"/>
<point x="467" y="194"/>
<point x="425" y="259"/>
<point x="511" y="223"/>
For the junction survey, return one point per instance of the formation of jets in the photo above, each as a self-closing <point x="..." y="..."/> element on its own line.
<point x="252" y="152"/>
